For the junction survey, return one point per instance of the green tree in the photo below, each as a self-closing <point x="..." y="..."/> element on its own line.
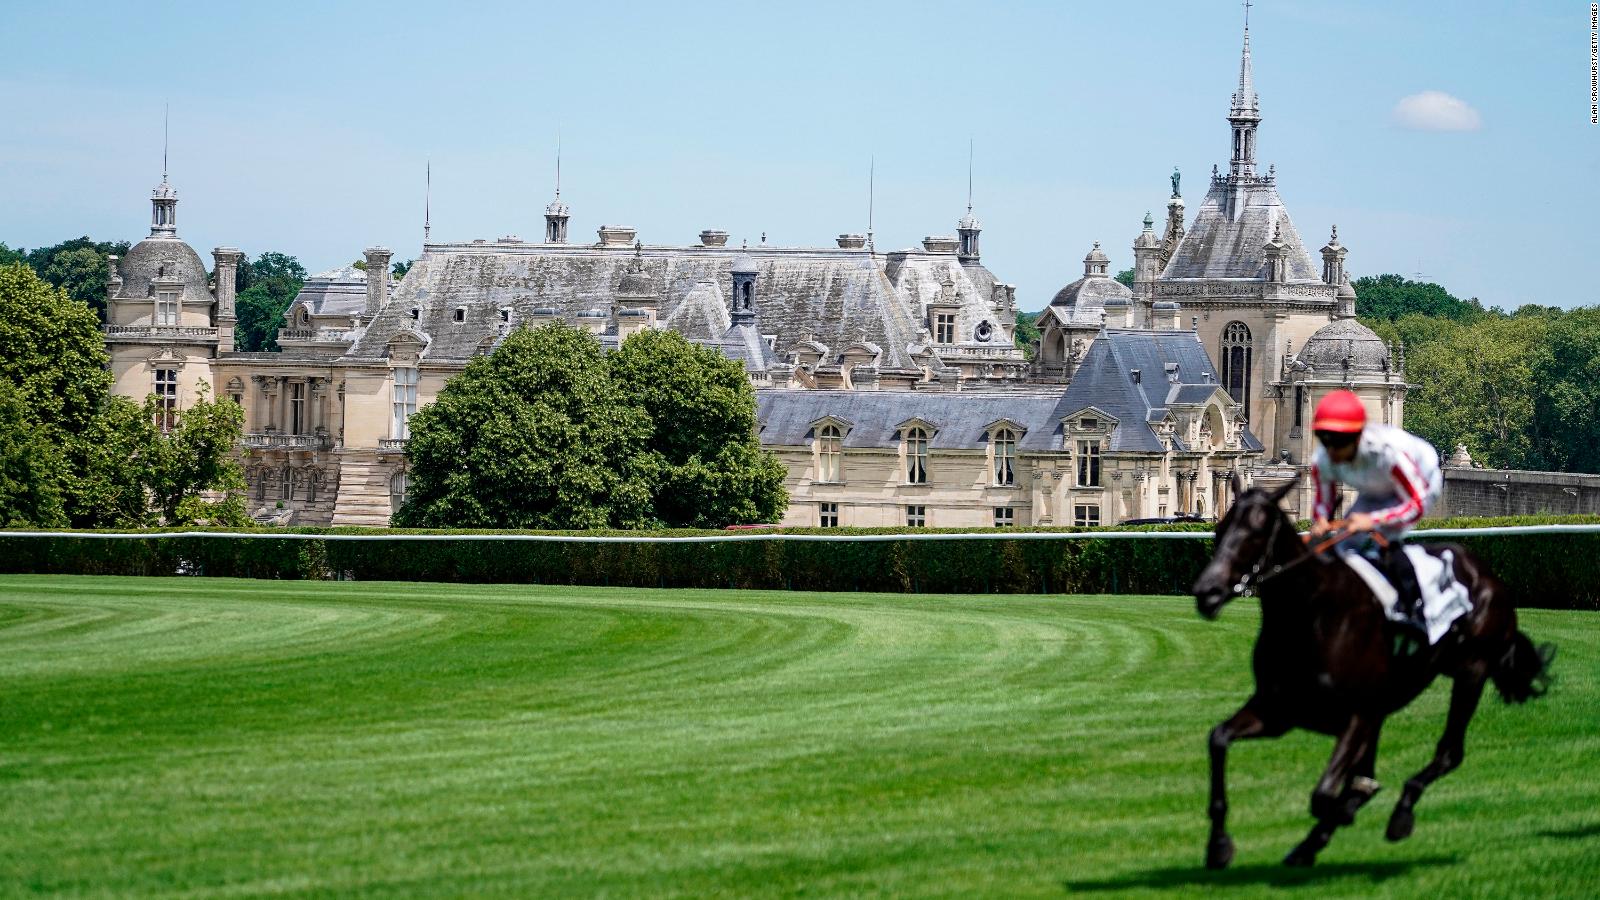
<point x="1567" y="401"/>
<point x="1125" y="277"/>
<point x="1477" y="386"/>
<point x="79" y="266"/>
<point x="1027" y="332"/>
<point x="1389" y="297"/>
<point x="272" y="283"/>
<point x="703" y="459"/>
<point x="534" y="435"/>
<point x="193" y="474"/>
<point x="8" y="255"/>
<point x="401" y="268"/>
<point x="51" y="351"/>
<point x="31" y="468"/>
<point x="111" y="468"/>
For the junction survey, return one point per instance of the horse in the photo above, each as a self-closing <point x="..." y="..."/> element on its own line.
<point x="1327" y="661"/>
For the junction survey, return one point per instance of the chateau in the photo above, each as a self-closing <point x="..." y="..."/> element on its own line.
<point x="888" y="382"/>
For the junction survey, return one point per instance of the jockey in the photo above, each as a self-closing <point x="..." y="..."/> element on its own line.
<point x="1396" y="477"/>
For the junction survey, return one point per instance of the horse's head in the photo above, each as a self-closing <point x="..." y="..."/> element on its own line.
<point x="1243" y="544"/>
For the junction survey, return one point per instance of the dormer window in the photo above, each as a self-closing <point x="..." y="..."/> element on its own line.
<point x="1005" y="456"/>
<point x="916" y="451"/>
<point x="505" y="314"/>
<point x="830" y="447"/>
<point x="167" y="308"/>
<point x="461" y="314"/>
<point x="415" y="313"/>
<point x="1089" y="423"/>
<point x="944" y="328"/>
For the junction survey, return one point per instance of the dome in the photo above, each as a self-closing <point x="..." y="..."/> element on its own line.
<point x="1090" y="291"/>
<point x="744" y="265"/>
<point x="150" y="257"/>
<point x="969" y="222"/>
<point x="556" y="208"/>
<point x="1333" y="343"/>
<point x="1096" y="255"/>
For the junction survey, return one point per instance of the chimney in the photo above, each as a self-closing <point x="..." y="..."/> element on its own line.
<point x="1117" y="309"/>
<point x="852" y="241"/>
<point x="377" y="279"/>
<point x="711" y="237"/>
<point x="1166" y="316"/>
<point x="934" y="243"/>
<point x="227" y="265"/>
<point x="617" y="235"/>
<point x="630" y="321"/>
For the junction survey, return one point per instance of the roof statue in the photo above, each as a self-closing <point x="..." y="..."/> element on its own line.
<point x="1176" y="177"/>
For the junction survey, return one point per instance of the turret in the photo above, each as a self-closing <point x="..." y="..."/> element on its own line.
<point x="745" y="272"/>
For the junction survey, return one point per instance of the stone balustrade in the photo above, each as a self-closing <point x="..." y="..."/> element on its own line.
<point x="274" y="441"/>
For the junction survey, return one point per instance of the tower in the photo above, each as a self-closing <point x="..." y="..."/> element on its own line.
<point x="1333" y="260"/>
<point x="1146" y="258"/>
<point x="556" y="213"/>
<point x="1244" y="114"/>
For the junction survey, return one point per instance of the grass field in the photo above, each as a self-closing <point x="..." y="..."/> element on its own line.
<point x="179" y="737"/>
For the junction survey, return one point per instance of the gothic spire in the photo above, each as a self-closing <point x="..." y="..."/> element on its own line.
<point x="1244" y="113"/>
<point x="1245" y="102"/>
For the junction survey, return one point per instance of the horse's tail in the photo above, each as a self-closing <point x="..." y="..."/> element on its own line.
<point x="1522" y="673"/>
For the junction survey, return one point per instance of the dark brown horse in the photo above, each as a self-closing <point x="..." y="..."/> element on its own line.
<point x="1325" y="662"/>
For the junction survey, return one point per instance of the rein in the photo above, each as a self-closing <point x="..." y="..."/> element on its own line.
<point x="1252" y="580"/>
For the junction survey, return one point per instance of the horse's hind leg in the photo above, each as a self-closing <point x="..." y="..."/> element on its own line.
<point x="1452" y="746"/>
<point x="1331" y="801"/>
<point x="1242" y="725"/>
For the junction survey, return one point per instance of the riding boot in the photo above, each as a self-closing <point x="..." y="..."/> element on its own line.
<point x="1403" y="576"/>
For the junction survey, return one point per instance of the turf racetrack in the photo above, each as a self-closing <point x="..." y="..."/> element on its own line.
<point x="173" y="737"/>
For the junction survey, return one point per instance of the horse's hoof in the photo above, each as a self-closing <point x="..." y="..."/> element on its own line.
<point x="1219" y="852"/>
<point x="1400" y="824"/>
<point x="1300" y="858"/>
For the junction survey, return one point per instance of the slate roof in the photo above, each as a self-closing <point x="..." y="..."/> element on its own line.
<point x="145" y="260"/>
<point x="959" y="419"/>
<point x="336" y="292"/>
<point x="1328" y="346"/>
<point x="1216" y="246"/>
<point x="1102" y="382"/>
<point x="835" y="295"/>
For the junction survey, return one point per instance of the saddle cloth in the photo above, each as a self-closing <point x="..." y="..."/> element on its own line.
<point x="1444" y="599"/>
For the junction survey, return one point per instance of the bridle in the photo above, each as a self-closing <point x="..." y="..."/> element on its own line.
<point x="1252" y="580"/>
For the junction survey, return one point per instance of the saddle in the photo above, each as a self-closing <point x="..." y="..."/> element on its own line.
<point x="1444" y="599"/>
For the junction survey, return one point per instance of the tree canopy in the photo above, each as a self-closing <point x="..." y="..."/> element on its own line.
<point x="266" y="285"/>
<point x="703" y="460"/>
<point x="549" y="432"/>
<point x="1390" y="297"/>
<point x="79" y="266"/>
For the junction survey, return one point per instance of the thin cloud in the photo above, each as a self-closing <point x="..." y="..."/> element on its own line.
<point x="1436" y="111"/>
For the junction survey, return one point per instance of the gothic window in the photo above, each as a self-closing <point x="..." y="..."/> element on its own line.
<point x="916" y="516"/>
<point x="405" y="401"/>
<point x="1236" y="353"/>
<point x="829" y="449"/>
<point x="286" y="484"/>
<point x="1088" y="464"/>
<point x="397" y="490"/>
<point x="166" y="308"/>
<point x="944" y="328"/>
<point x="916" y="446"/>
<point x="297" y="407"/>
<point x="828" y="515"/>
<point x="1005" y="456"/>
<point x="166" y="398"/>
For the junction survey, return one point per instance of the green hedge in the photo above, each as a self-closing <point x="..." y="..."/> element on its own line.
<point x="1559" y="571"/>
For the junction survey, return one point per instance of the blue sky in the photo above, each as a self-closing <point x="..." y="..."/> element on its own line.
<point x="304" y="128"/>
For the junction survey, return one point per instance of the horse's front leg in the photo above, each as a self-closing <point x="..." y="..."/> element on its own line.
<point x="1328" y="801"/>
<point x="1242" y="725"/>
<point x="1464" y="698"/>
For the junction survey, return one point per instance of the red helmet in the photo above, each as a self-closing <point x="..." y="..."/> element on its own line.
<point x="1340" y="411"/>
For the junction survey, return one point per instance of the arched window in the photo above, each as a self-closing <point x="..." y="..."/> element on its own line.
<point x="829" y="447"/>
<point x="397" y="490"/>
<point x="1236" y="352"/>
<point x="1005" y="456"/>
<point x="916" y="456"/>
